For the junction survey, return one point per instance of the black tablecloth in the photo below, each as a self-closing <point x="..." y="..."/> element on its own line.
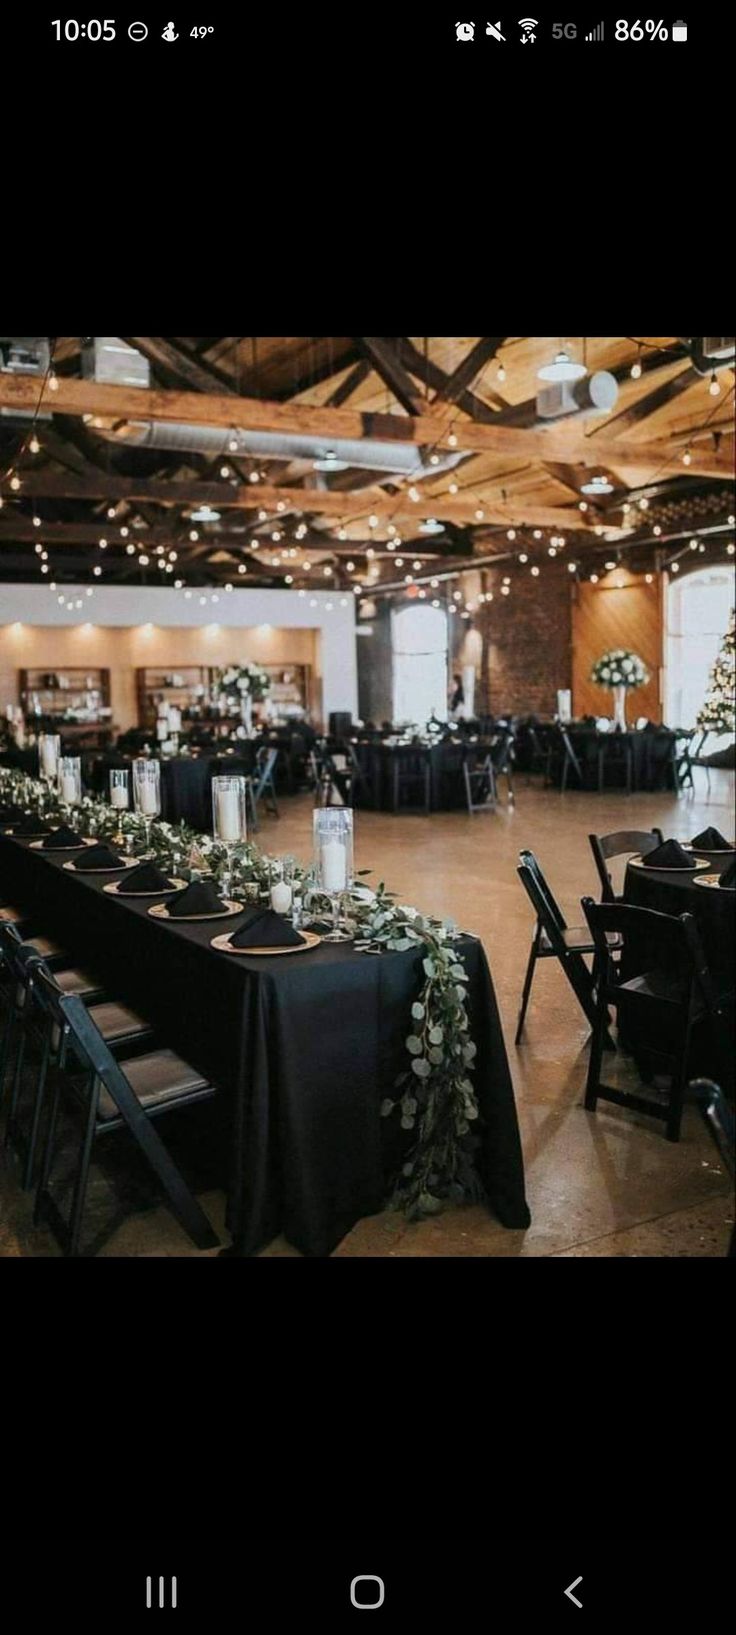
<point x="446" y="782"/>
<point x="185" y="781"/>
<point x="651" y="752"/>
<point x="714" y="911"/>
<point x="304" y="1048"/>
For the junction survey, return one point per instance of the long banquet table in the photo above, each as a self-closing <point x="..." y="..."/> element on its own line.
<point x="304" y="1049"/>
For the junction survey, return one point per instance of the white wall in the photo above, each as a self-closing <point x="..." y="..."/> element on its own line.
<point x="330" y="614"/>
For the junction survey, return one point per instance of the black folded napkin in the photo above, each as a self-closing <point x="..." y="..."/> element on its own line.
<point x="264" y="928"/>
<point x="670" y="855"/>
<point x="62" y="838"/>
<point x="99" y="857"/>
<point x="29" y="824"/>
<point x="147" y="877"/>
<point x="711" y="840"/>
<point x="198" y="898"/>
<point x="728" y="877"/>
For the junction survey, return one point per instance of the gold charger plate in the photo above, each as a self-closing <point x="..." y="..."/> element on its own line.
<point x="161" y="912"/>
<point x="669" y="868"/>
<point x="37" y="845"/>
<point x="166" y="891"/>
<point x="225" y="946"/>
<point x="712" y="880"/>
<point x="117" y="868"/>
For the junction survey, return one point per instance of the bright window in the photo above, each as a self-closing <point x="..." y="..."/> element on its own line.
<point x="419" y="647"/>
<point x="698" y="607"/>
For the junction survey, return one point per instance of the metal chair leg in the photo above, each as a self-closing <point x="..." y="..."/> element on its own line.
<point x="527" y="988"/>
<point x="38" y="1100"/>
<point x="80" y="1185"/>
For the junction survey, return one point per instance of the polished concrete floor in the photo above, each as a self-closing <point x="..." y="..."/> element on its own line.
<point x="603" y="1184"/>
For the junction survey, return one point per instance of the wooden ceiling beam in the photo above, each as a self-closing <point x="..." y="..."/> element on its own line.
<point x="468" y="370"/>
<point x="556" y="441"/>
<point x="383" y="355"/>
<point x="648" y="405"/>
<point x="180" y="365"/>
<point x="224" y="496"/>
<point x="350" y="384"/>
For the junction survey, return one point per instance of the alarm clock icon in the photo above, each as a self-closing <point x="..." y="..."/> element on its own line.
<point x="465" y="31"/>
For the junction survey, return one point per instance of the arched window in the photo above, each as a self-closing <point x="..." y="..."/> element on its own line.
<point x="419" y="648"/>
<point x="697" y="611"/>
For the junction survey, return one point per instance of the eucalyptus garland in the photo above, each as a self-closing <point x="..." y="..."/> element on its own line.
<point x="434" y="1096"/>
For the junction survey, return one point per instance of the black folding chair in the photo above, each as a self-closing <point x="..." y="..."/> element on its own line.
<point x="682" y="759"/>
<point x="263" y="781"/>
<point x="614" y="751"/>
<point x="570" y="760"/>
<point x="502" y="760"/>
<point x="70" y="979"/>
<point x="669" y="994"/>
<point x="479" y="779"/>
<point x="121" y="1028"/>
<point x="623" y="843"/>
<point x="542" y="746"/>
<point x="554" y="939"/>
<point x="113" y="1095"/>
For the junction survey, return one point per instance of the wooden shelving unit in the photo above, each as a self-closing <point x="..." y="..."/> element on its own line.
<point x="71" y="701"/>
<point x="182" y="687"/>
<point x="188" y="687"/>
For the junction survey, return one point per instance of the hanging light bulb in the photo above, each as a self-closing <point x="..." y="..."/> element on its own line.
<point x="675" y="567"/>
<point x="53" y="382"/>
<point x="452" y="440"/>
<point x="648" y="578"/>
<point x="233" y="444"/>
<point x="687" y="457"/>
<point x="656" y="529"/>
<point x="714" y="387"/>
<point x="34" y="444"/>
<point x="523" y="556"/>
<point x="15" y="482"/>
<point x="693" y="544"/>
<point x="643" y="505"/>
<point x="253" y="477"/>
<point x="535" y="572"/>
<point x="453" y="488"/>
<point x="511" y="533"/>
<point x="594" y="579"/>
<point x="500" y="374"/>
<point x="636" y="366"/>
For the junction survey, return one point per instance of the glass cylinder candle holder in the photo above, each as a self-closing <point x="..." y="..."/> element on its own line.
<point x="70" y="780"/>
<point x="333" y="855"/>
<point x="147" y="793"/>
<point x="120" y="788"/>
<point x="229" y="825"/>
<point x="49" y="749"/>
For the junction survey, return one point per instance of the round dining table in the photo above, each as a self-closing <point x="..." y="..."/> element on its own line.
<point x="714" y="910"/>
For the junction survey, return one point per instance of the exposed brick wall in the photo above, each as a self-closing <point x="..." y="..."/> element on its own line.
<point x="526" y="636"/>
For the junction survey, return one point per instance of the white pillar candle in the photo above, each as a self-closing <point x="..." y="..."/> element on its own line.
<point x="228" y="815"/>
<point x="49" y="760"/>
<point x="281" y="897"/>
<point x="68" y="789"/>
<point x="118" y="795"/>
<point x="147" y="797"/>
<point x="162" y="728"/>
<point x="333" y="865"/>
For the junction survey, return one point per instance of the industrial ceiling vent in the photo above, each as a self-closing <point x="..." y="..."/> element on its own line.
<point x="595" y="394"/>
<point x="712" y="352"/>
<point x="109" y="360"/>
<point x="24" y="355"/>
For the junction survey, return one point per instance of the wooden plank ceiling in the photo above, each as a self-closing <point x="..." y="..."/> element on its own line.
<point x="469" y="402"/>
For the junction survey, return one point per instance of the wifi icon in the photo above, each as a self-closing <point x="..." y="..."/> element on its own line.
<point x="527" y="26"/>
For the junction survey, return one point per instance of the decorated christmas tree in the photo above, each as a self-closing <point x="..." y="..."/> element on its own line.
<point x="718" y="713"/>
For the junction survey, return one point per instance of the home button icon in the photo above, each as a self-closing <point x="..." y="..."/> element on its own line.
<point x="369" y="1599"/>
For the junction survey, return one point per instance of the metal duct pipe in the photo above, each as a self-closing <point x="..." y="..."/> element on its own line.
<point x="368" y="453"/>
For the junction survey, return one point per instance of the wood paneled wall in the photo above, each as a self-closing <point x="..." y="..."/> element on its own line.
<point x="621" y="611"/>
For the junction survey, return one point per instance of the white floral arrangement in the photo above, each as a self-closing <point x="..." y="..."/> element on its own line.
<point x="619" y="668"/>
<point x="243" y="680"/>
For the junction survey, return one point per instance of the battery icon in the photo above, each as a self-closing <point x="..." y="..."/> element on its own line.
<point x="679" y="31"/>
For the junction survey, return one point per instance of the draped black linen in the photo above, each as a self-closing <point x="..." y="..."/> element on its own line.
<point x="302" y="1048"/>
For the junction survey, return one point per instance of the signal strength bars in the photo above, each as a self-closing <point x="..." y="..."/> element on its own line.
<point x="595" y="33"/>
